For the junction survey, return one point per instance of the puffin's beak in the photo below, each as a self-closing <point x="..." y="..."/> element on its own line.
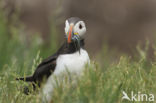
<point x="70" y="33"/>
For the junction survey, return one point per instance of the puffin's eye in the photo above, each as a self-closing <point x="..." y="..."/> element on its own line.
<point x="80" y="26"/>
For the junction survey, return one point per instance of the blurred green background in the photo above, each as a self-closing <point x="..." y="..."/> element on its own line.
<point x="120" y="39"/>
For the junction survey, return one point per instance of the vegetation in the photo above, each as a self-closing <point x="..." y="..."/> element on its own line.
<point x="102" y="83"/>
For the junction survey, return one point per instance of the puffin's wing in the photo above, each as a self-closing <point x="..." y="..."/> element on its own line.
<point x="44" y="69"/>
<point x="48" y="60"/>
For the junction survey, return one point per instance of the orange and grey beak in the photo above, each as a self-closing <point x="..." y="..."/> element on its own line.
<point x="70" y="33"/>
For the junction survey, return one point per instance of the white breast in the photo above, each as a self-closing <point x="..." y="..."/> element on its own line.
<point x="73" y="63"/>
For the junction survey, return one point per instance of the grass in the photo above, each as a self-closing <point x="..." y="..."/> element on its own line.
<point x="100" y="84"/>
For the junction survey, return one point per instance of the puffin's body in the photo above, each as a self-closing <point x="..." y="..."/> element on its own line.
<point x="71" y="57"/>
<point x="73" y="63"/>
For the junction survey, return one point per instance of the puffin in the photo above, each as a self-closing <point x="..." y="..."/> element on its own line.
<point x="71" y="57"/>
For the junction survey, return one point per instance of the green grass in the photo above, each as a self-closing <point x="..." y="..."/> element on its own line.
<point x="103" y="82"/>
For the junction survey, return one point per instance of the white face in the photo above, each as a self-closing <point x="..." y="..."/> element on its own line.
<point x="78" y="29"/>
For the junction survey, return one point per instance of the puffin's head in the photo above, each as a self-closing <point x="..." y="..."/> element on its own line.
<point x="74" y="29"/>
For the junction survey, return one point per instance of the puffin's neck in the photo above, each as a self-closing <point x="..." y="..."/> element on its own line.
<point x="74" y="46"/>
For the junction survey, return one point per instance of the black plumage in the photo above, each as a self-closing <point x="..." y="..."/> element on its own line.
<point x="47" y="66"/>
